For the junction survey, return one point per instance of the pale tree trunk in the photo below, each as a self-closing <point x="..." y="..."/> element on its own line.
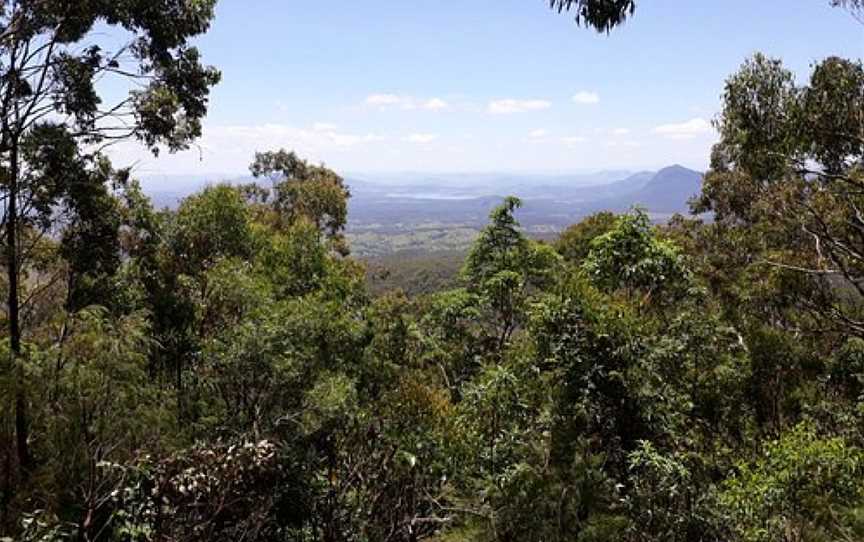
<point x="12" y="269"/>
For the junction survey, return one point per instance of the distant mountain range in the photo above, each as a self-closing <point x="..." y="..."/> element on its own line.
<point x="550" y="203"/>
<point x="393" y="203"/>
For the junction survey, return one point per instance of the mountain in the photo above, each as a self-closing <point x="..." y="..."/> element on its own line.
<point x="669" y="190"/>
<point x="664" y="192"/>
<point x="628" y="185"/>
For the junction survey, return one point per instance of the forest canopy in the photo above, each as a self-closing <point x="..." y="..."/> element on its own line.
<point x="222" y="372"/>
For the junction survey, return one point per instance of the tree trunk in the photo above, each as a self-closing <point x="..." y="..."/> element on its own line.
<point x="12" y="268"/>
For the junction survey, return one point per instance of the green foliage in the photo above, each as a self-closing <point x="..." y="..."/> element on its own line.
<point x="613" y="400"/>
<point x="846" y="369"/>
<point x="221" y="372"/>
<point x="295" y="261"/>
<point x="602" y="15"/>
<point x="856" y="7"/>
<point x="56" y="61"/>
<point x="303" y="191"/>
<point x="786" y="175"/>
<point x="574" y="243"/>
<point x="503" y="266"/>
<point x="168" y="108"/>
<point x="632" y="258"/>
<point x="218" y="492"/>
<point x="801" y="487"/>
<point x="414" y="275"/>
<point x="665" y="504"/>
<point x="211" y="225"/>
<point x="98" y="372"/>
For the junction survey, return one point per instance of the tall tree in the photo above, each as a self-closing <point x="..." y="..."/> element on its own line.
<point x="55" y="56"/>
<point x="502" y="267"/>
<point x="789" y="169"/>
<point x="306" y="192"/>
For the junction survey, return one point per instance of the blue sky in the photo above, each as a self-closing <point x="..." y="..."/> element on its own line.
<point x="485" y="85"/>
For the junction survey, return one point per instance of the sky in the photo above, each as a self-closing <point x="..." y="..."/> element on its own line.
<point x="484" y="85"/>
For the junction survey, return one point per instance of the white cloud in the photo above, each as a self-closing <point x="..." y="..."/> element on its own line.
<point x="620" y="131"/>
<point x="585" y="97"/>
<point x="383" y="100"/>
<point x="685" y="130"/>
<point x="538" y="133"/>
<point x="323" y="132"/>
<point x="320" y="136"/>
<point x="421" y="138"/>
<point x="574" y="140"/>
<point x="406" y="103"/>
<point x="324" y="127"/>
<point x="510" y="105"/>
<point x="627" y="144"/>
<point x="228" y="149"/>
<point x="351" y="140"/>
<point x="435" y="104"/>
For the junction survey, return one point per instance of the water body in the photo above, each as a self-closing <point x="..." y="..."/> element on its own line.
<point x="429" y="195"/>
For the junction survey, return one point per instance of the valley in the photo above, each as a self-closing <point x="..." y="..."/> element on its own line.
<point x="446" y="212"/>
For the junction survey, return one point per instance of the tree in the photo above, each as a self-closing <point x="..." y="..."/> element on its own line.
<point x="303" y="191"/>
<point x="209" y="226"/>
<point x="602" y="15"/>
<point x="804" y="486"/>
<point x="183" y="497"/>
<point x="855" y="7"/>
<point x="630" y="257"/>
<point x="51" y="57"/>
<point x="574" y="244"/>
<point x="789" y="170"/>
<point x="503" y="265"/>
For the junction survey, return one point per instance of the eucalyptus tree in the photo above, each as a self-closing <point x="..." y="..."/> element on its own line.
<point x="304" y="192"/>
<point x="789" y="170"/>
<point x="74" y="78"/>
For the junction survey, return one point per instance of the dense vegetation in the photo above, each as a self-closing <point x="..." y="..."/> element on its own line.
<point x="414" y="274"/>
<point x="222" y="372"/>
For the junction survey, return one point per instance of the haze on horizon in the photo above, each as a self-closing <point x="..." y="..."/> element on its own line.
<point x="488" y="87"/>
